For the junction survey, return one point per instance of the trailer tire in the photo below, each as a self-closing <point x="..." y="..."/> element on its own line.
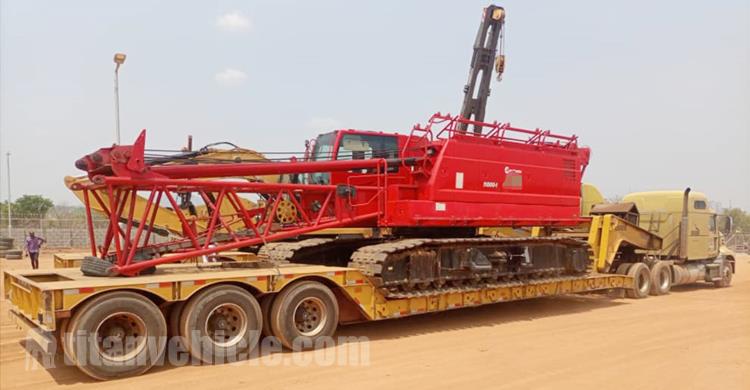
<point x="304" y="313"/>
<point x="661" y="278"/>
<point x="641" y="281"/>
<point x="173" y="322"/>
<point x="110" y="317"/>
<point x="224" y="312"/>
<point x="726" y="275"/>
<point x="66" y="341"/>
<point x="266" y="302"/>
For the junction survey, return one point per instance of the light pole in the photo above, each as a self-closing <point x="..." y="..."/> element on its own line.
<point x="119" y="60"/>
<point x="10" y="224"/>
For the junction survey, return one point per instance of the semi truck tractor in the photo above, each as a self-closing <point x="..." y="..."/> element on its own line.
<point x="693" y="238"/>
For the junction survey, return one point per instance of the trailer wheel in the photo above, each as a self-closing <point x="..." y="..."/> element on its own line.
<point x="726" y="275"/>
<point x="221" y="324"/>
<point x="303" y="313"/>
<point x="173" y="325"/>
<point x="661" y="278"/>
<point x="66" y="339"/>
<point x="116" y="335"/>
<point x="266" y="302"/>
<point x="641" y="281"/>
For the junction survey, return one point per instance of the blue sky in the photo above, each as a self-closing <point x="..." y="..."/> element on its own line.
<point x="659" y="90"/>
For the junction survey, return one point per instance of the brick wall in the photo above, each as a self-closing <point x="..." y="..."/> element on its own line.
<point x="63" y="237"/>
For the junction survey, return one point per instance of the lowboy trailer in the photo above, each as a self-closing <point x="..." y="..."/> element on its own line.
<point x="298" y="304"/>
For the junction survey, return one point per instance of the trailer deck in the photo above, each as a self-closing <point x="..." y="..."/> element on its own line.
<point x="43" y="297"/>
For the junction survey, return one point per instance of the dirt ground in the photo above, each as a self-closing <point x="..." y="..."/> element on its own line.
<point x="696" y="337"/>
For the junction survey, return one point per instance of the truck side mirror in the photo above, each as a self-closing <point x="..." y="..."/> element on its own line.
<point x="725" y="224"/>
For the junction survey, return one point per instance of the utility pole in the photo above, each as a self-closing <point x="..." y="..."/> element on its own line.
<point x="119" y="60"/>
<point x="10" y="223"/>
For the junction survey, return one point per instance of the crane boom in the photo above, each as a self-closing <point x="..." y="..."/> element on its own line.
<point x="477" y="88"/>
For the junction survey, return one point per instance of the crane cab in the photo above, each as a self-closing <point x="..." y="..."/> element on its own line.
<point x="354" y="145"/>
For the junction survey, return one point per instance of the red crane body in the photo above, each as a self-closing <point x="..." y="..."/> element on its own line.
<point x="432" y="178"/>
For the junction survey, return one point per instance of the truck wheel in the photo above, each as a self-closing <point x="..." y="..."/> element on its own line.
<point x="641" y="281"/>
<point x="726" y="275"/>
<point x="303" y="313"/>
<point x="115" y="335"/>
<point x="266" y="302"/>
<point x="623" y="268"/>
<point x="221" y="324"/>
<point x="661" y="278"/>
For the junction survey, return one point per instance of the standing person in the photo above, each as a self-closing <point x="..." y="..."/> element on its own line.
<point x="33" y="245"/>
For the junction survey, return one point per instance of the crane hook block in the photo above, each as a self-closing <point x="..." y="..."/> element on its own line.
<point x="500" y="66"/>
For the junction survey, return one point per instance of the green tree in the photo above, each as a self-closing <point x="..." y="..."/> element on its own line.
<point x="740" y="219"/>
<point x="32" y="205"/>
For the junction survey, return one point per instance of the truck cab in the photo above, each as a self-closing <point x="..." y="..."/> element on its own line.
<point x="661" y="212"/>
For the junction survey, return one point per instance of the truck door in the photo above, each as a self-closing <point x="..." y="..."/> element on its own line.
<point x="702" y="233"/>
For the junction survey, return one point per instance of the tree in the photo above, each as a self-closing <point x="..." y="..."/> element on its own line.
<point x="36" y="205"/>
<point x="740" y="219"/>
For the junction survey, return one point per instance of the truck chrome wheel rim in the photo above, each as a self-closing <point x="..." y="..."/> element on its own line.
<point x="310" y="316"/>
<point x="121" y="336"/>
<point x="226" y="325"/>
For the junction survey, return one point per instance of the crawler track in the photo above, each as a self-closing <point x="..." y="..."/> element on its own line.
<point x="427" y="264"/>
<point x="435" y="264"/>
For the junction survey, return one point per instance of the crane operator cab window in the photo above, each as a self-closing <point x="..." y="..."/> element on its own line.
<point x="352" y="147"/>
<point x="366" y="146"/>
<point x="322" y="151"/>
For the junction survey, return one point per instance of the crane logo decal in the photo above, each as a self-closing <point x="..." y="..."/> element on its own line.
<point x="513" y="178"/>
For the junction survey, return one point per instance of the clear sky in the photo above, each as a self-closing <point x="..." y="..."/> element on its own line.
<point x="660" y="90"/>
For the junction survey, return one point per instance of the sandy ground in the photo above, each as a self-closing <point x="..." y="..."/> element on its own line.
<point x="696" y="337"/>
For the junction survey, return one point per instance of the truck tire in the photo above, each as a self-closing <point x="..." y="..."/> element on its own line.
<point x="726" y="275"/>
<point x="661" y="278"/>
<point x="303" y="313"/>
<point x="623" y="268"/>
<point x="266" y="302"/>
<point x="221" y="324"/>
<point x="641" y="281"/>
<point x="109" y="318"/>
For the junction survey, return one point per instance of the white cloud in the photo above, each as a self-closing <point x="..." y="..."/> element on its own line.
<point x="230" y="77"/>
<point x="233" y="21"/>
<point x="323" y="124"/>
